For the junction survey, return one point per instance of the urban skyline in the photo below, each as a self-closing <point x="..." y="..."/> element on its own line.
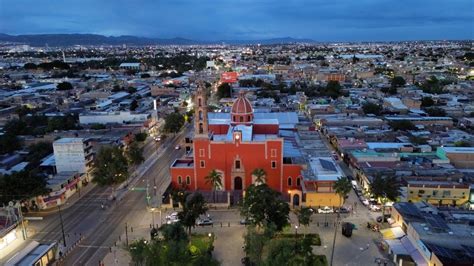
<point x="241" y="20"/>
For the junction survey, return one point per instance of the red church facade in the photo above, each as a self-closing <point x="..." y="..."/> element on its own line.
<point x="235" y="147"/>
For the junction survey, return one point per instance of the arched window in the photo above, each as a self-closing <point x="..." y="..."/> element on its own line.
<point x="199" y="102"/>
<point x="233" y="118"/>
<point x="188" y="180"/>
<point x="298" y="181"/>
<point x="201" y="129"/>
<point x="200" y="115"/>
<point x="248" y="118"/>
<point x="241" y="119"/>
<point x="180" y="179"/>
<point x="290" y="181"/>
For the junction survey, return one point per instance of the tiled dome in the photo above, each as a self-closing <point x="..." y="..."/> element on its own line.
<point x="242" y="105"/>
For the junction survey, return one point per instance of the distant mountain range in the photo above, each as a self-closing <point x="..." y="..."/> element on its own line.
<point x="95" y="39"/>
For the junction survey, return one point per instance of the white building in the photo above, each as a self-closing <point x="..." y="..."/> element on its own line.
<point x="72" y="155"/>
<point x="112" y="118"/>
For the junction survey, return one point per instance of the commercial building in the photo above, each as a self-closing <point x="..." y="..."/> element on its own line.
<point x="461" y="157"/>
<point x="73" y="155"/>
<point x="112" y="118"/>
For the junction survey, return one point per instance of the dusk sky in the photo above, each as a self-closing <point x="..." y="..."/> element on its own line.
<point x="320" y="20"/>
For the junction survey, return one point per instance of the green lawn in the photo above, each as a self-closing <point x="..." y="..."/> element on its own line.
<point x="202" y="242"/>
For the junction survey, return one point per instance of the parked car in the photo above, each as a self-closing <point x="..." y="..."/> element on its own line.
<point x="325" y="210"/>
<point x="342" y="210"/>
<point x="177" y="147"/>
<point x="204" y="222"/>
<point x="172" y="215"/>
<point x="375" y="208"/>
<point x="385" y="218"/>
<point x="246" y="221"/>
<point x="365" y="201"/>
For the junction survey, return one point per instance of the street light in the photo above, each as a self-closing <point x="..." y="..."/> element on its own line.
<point x="62" y="225"/>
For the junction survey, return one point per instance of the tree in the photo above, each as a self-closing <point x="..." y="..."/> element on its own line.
<point x="263" y="206"/>
<point x="133" y="105"/>
<point x="223" y="91"/>
<point x="64" y="86"/>
<point x="135" y="153"/>
<point x="173" y="122"/>
<point x="260" y="176"/>
<point x="333" y="89"/>
<point x="398" y="82"/>
<point x="140" y="137"/>
<point x="342" y="187"/>
<point x="385" y="188"/>
<point x="435" y="111"/>
<point x="192" y="209"/>
<point x="38" y="151"/>
<point x="30" y="66"/>
<point x="372" y="108"/>
<point x="9" y="143"/>
<point x="110" y="166"/>
<point x="462" y="143"/>
<point x="300" y="252"/>
<point x="427" y="102"/>
<point x="400" y="125"/>
<point x="174" y="232"/>
<point x="215" y="179"/>
<point x="304" y="216"/>
<point x="21" y="186"/>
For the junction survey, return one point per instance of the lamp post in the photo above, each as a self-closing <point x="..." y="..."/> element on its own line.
<point x="62" y="225"/>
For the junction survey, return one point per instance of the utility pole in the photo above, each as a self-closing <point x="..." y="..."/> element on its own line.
<point x="126" y="234"/>
<point x="334" y="240"/>
<point x="62" y="225"/>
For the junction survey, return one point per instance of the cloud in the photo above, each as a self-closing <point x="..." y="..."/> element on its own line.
<point x="335" y="20"/>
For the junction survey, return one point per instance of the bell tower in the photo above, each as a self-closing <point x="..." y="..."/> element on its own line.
<point x="200" y="113"/>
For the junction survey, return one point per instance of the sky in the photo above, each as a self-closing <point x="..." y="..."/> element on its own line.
<point x="320" y="20"/>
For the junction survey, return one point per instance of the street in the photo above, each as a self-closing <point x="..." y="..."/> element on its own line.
<point x="100" y="228"/>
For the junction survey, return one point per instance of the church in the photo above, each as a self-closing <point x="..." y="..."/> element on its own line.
<point x="235" y="144"/>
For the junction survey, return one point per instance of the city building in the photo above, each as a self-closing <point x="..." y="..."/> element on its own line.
<point x="235" y="144"/>
<point x="73" y="155"/>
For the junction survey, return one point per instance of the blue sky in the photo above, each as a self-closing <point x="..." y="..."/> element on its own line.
<point x="321" y="20"/>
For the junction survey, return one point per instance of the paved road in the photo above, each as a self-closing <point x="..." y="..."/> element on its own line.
<point x="102" y="228"/>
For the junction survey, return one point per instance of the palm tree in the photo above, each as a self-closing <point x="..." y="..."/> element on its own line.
<point x="385" y="188"/>
<point x="342" y="187"/>
<point x="215" y="179"/>
<point x="260" y="175"/>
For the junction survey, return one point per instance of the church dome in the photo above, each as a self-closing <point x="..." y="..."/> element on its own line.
<point x="242" y="111"/>
<point x="242" y="105"/>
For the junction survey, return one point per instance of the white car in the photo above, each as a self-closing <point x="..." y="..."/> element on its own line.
<point x="172" y="216"/>
<point x="325" y="210"/>
<point x="375" y="208"/>
<point x="365" y="202"/>
<point x="177" y="147"/>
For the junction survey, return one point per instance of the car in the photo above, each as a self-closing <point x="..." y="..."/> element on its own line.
<point x="386" y="218"/>
<point x="204" y="222"/>
<point x="172" y="215"/>
<point x="177" y="147"/>
<point x="365" y="201"/>
<point x="342" y="210"/>
<point x="374" y="208"/>
<point x="325" y="210"/>
<point x="246" y="221"/>
<point x="172" y="220"/>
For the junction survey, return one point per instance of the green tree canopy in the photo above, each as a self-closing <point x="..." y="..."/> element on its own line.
<point x="260" y="175"/>
<point x="64" y="86"/>
<point x="173" y="122"/>
<point x="263" y="206"/>
<point x="133" y="105"/>
<point x="385" y="188"/>
<point x="462" y="143"/>
<point x="20" y="186"/>
<point x="435" y="111"/>
<point x="38" y="151"/>
<point x="342" y="187"/>
<point x="135" y="153"/>
<point x="427" y="102"/>
<point x="111" y="166"/>
<point x="372" y="108"/>
<point x="398" y="81"/>
<point x="398" y="125"/>
<point x="192" y="208"/>
<point x="215" y="179"/>
<point x="223" y="91"/>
